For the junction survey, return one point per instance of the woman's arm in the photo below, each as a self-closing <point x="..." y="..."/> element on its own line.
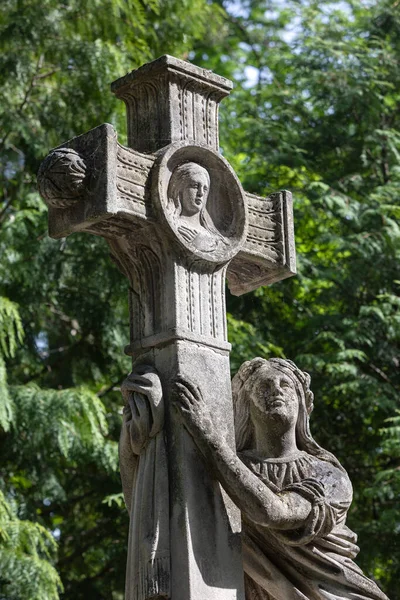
<point x="256" y="501"/>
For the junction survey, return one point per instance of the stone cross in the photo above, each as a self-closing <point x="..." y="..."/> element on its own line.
<point x="178" y="223"/>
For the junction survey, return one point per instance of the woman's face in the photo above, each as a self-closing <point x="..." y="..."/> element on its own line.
<point x="194" y="193"/>
<point x="274" y="396"/>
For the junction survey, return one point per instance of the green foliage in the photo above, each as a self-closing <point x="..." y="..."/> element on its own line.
<point x="6" y="408"/>
<point x="76" y="428"/>
<point x="54" y="436"/>
<point x="26" y="552"/>
<point x="246" y="341"/>
<point x="11" y="332"/>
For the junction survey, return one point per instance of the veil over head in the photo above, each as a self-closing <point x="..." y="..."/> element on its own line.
<point x="175" y="189"/>
<point x="178" y="181"/>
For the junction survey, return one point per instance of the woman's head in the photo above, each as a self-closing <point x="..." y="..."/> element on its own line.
<point x="189" y="188"/>
<point x="273" y="399"/>
<point x="274" y="385"/>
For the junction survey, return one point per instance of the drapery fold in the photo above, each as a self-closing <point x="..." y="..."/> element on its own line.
<point x="144" y="471"/>
<point x="148" y="568"/>
<point x="315" y="561"/>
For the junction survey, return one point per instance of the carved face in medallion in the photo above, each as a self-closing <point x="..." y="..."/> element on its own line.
<point x="274" y="396"/>
<point x="188" y="194"/>
<point x="189" y="188"/>
<point x="195" y="190"/>
<point x="200" y="201"/>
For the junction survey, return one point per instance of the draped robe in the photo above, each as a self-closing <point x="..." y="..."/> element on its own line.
<point x="144" y="474"/>
<point x="315" y="561"/>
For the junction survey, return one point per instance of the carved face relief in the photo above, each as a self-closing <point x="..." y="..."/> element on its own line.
<point x="195" y="189"/>
<point x="274" y="396"/>
<point x="188" y="193"/>
<point x="188" y="189"/>
<point x="198" y="197"/>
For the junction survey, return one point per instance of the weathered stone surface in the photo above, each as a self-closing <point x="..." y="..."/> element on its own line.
<point x="268" y="254"/>
<point x="215" y="226"/>
<point x="113" y="196"/>
<point x="176" y="218"/>
<point x="169" y="100"/>
<point x="62" y="178"/>
<point x="293" y="494"/>
<point x="145" y="481"/>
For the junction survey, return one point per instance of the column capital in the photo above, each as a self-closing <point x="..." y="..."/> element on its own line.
<point x="171" y="100"/>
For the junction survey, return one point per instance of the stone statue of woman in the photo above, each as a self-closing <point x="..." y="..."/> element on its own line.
<point x="293" y="494"/>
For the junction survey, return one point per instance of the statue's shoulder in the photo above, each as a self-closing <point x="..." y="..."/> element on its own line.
<point x="336" y="483"/>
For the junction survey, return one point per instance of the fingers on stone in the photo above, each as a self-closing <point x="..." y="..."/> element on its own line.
<point x="194" y="390"/>
<point x="184" y="394"/>
<point x="136" y="377"/>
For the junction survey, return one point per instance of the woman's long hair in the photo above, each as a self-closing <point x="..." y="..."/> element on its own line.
<point x="242" y="385"/>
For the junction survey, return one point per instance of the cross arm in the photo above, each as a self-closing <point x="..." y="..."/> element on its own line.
<point x="268" y="254"/>
<point x="94" y="184"/>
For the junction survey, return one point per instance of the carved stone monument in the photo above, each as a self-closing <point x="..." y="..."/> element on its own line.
<point x="178" y="223"/>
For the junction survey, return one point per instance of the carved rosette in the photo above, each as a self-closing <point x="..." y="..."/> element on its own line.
<point x="61" y="178"/>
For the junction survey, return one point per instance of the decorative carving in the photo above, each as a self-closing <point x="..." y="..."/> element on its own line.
<point x="144" y="474"/>
<point x="61" y="178"/>
<point x="293" y="494"/>
<point x="132" y="176"/>
<point x="201" y="201"/>
<point x="269" y="253"/>
<point x="190" y="114"/>
<point x="266" y="228"/>
<point x="204" y="313"/>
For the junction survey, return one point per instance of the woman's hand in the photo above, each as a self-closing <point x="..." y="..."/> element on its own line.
<point x="188" y="235"/>
<point x="143" y="414"/>
<point x="194" y="412"/>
